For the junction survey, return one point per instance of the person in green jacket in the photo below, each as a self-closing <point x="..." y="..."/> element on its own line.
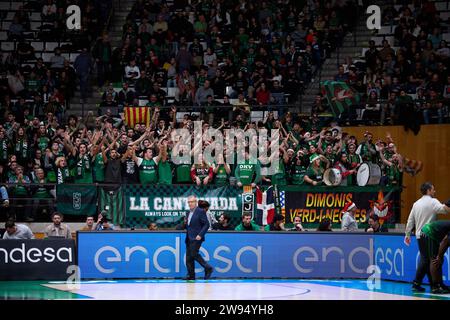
<point x="248" y="172"/>
<point x="437" y="237"/>
<point x="247" y="224"/>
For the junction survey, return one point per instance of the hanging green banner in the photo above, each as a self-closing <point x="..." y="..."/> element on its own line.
<point x="167" y="204"/>
<point x="76" y="199"/>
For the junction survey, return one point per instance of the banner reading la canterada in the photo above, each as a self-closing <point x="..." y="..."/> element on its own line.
<point x="167" y="204"/>
<point x="315" y="205"/>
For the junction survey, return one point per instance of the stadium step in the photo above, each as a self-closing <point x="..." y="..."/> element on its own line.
<point x="122" y="9"/>
<point x="362" y="36"/>
<point x="121" y="14"/>
<point x="77" y="109"/>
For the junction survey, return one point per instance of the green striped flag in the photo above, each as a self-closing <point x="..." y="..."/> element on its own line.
<point x="76" y="199"/>
<point x="112" y="199"/>
<point x="339" y="96"/>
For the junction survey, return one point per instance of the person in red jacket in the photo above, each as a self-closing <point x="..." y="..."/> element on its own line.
<point x="202" y="173"/>
<point x="263" y="94"/>
<point x="345" y="167"/>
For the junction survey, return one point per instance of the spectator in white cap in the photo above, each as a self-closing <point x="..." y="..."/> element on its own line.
<point x="349" y="223"/>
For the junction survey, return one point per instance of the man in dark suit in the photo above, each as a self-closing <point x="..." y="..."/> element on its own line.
<point x="196" y="227"/>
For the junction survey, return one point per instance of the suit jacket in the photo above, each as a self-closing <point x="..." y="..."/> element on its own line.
<point x="199" y="225"/>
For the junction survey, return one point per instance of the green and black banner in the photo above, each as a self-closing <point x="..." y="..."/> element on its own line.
<point x="111" y="201"/>
<point x="76" y="199"/>
<point x="135" y="206"/>
<point x="167" y="204"/>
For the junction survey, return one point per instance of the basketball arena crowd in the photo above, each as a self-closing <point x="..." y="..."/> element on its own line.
<point x="223" y="60"/>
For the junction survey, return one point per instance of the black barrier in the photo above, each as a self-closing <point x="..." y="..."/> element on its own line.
<point x="36" y="259"/>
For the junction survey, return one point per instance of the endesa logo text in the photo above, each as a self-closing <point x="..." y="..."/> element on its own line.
<point x="232" y="254"/>
<point x="31" y="254"/>
<point x="398" y="261"/>
<point x="108" y="258"/>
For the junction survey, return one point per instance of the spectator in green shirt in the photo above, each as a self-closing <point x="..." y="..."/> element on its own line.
<point x="5" y="148"/>
<point x="61" y="172"/>
<point x="247" y="223"/>
<point x="221" y="172"/>
<point x="182" y="167"/>
<point x="43" y="200"/>
<point x="148" y="166"/>
<point x="367" y="149"/>
<point x="314" y="173"/>
<point x="248" y="172"/>
<point x="42" y="138"/>
<point x="298" y="169"/>
<point x="19" y="191"/>
<point x="82" y="163"/>
<point x="200" y="26"/>
<point x="99" y="165"/>
<point x="164" y="168"/>
<point x="393" y="169"/>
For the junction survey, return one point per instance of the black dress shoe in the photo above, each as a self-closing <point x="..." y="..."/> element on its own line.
<point x="208" y="273"/>
<point x="437" y="290"/>
<point x="417" y="288"/>
<point x="444" y="288"/>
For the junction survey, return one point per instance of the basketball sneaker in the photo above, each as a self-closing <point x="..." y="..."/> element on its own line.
<point x="416" y="287"/>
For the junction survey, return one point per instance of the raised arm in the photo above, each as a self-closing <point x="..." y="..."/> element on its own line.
<point x="386" y="162"/>
<point x="141" y="138"/>
<point x="285" y="154"/>
<point x="293" y="139"/>
<point x="162" y="155"/>
<point x="105" y="158"/>
<point x="325" y="160"/>
<point x="338" y="146"/>
<point x="174" y="117"/>
<point x="134" y="157"/>
<point x="68" y="144"/>
<point x="155" y="117"/>
<point x="319" y="144"/>
<point x="284" y="130"/>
